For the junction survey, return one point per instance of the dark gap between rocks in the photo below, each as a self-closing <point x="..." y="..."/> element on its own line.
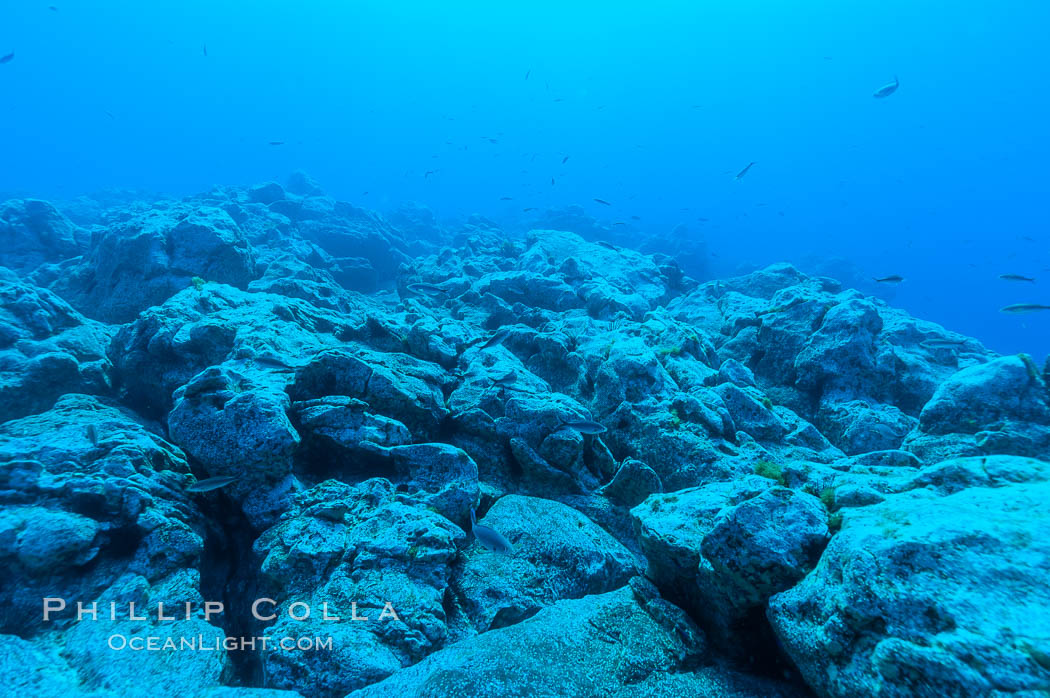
<point x="227" y="575"/>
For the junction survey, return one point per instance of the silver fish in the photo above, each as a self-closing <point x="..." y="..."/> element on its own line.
<point x="1019" y="308"/>
<point x="272" y="362"/>
<point x="585" y="426"/>
<point x="490" y="538"/>
<point x="496" y="339"/>
<point x="887" y="89"/>
<point x="428" y="289"/>
<point x="1016" y="277"/>
<point x="211" y="483"/>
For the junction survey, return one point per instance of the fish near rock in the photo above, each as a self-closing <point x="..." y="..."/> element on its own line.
<point x="490" y="538"/>
<point x="584" y="426"/>
<point x="496" y="339"/>
<point x="427" y="289"/>
<point x="559" y="553"/>
<point x="211" y="483"/>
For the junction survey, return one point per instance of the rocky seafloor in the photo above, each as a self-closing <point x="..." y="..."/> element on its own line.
<point x="800" y="489"/>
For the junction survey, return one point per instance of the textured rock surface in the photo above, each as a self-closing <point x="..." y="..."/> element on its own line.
<point x="47" y="349"/>
<point x="928" y="595"/>
<point x="363" y="545"/>
<point x="94" y="511"/>
<point x="33" y="232"/>
<point x="556" y="653"/>
<point x="722" y="550"/>
<point x="819" y="486"/>
<point x="558" y="554"/>
<point x="146" y="260"/>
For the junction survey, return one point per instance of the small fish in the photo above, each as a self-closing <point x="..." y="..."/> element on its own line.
<point x="490" y="538"/>
<point x="496" y="339"/>
<point x="509" y="379"/>
<point x="272" y="362"/>
<point x="892" y="279"/>
<point x="1016" y="277"/>
<point x="743" y="172"/>
<point x="528" y="73"/>
<point x="428" y="289"/>
<point x="530" y="208"/>
<point x="109" y="114"/>
<point x="552" y="181"/>
<point x="276" y="142"/>
<point x="506" y="198"/>
<point x="428" y="173"/>
<point x="565" y="159"/>
<point x="212" y="483"/>
<point x="52" y="8"/>
<point x="887" y="89"/>
<point x="636" y="218"/>
<point x="1019" y="308"/>
<point x="584" y="426"/>
<point x="205" y="50"/>
<point x="91" y="431"/>
<point x="603" y="202"/>
<point x="8" y="58"/>
<point x="603" y="243"/>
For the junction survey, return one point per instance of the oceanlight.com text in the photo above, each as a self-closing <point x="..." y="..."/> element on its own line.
<point x="201" y="643"/>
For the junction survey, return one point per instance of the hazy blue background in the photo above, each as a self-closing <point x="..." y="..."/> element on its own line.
<point x="661" y="103"/>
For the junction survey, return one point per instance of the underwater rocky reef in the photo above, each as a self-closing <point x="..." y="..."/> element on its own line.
<point x="768" y="485"/>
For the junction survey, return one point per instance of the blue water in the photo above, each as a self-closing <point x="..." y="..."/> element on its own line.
<point x="657" y="105"/>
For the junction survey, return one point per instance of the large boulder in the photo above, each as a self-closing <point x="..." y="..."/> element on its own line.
<point x="928" y="595"/>
<point x="33" y="232"/>
<point x="724" y="549"/>
<point x="144" y="261"/>
<point x="394" y="384"/>
<point x="47" y="349"/>
<point x="1010" y="388"/>
<point x="197" y="328"/>
<point x="354" y="551"/>
<point x="1002" y="406"/>
<point x="93" y="509"/>
<point x="234" y="426"/>
<point x="622" y="643"/>
<point x="558" y="554"/>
